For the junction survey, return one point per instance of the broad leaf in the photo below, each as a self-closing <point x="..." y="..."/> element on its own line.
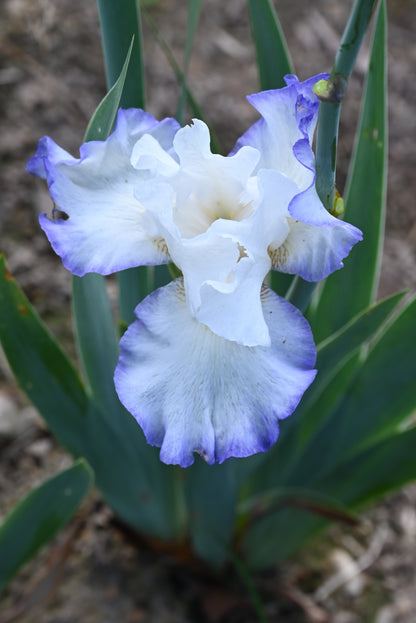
<point x="129" y="473"/>
<point x="336" y="365"/>
<point x="41" y="368"/>
<point x="273" y="57"/>
<point x="96" y="339"/>
<point x="378" y="470"/>
<point x="39" y="516"/>
<point x="334" y="351"/>
<point x="120" y="22"/>
<point x="383" y="394"/>
<point x="354" y="484"/>
<point x="211" y="498"/>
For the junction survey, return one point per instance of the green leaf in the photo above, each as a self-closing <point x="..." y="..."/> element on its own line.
<point x="378" y="470"/>
<point x="120" y="22"/>
<point x="382" y="395"/>
<point x="353" y="484"/>
<point x="39" y="516"/>
<point x="94" y="324"/>
<point x="136" y="283"/>
<point x="41" y="368"/>
<point x="273" y="58"/>
<point x="96" y="338"/>
<point x="278" y="536"/>
<point x="336" y="365"/>
<point x="194" y="10"/>
<point x="317" y="502"/>
<point x="377" y="401"/>
<point x="129" y="473"/>
<point x="300" y="292"/>
<point x="352" y="289"/>
<point x="281" y="283"/>
<point x="102" y="121"/>
<point x="211" y="496"/>
<point x="333" y="353"/>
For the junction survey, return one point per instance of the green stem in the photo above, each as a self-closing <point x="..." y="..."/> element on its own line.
<point x="331" y="100"/>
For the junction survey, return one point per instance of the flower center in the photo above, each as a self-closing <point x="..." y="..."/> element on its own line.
<point x="198" y="212"/>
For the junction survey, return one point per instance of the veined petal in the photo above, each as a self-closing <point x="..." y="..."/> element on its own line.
<point x="104" y="228"/>
<point x="193" y="391"/>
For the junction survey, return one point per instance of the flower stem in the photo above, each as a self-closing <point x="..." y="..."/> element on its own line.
<point x="331" y="100"/>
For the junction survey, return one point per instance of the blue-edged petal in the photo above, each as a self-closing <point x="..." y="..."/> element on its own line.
<point x="288" y="116"/>
<point x="193" y="391"/>
<point x="100" y="226"/>
<point x="317" y="242"/>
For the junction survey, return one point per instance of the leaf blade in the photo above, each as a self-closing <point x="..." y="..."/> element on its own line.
<point x="273" y="57"/>
<point x="120" y="22"/>
<point x="39" y="516"/>
<point x="41" y="368"/>
<point x="102" y="121"/>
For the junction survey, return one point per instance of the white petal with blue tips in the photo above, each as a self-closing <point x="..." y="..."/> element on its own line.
<point x="105" y="228"/>
<point x="193" y="391"/>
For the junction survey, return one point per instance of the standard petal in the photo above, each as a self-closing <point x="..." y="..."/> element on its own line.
<point x="193" y="391"/>
<point x="289" y="115"/>
<point x="104" y="229"/>
<point x="317" y="242"/>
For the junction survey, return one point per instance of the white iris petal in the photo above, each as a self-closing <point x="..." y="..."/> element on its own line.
<point x="218" y="222"/>
<point x="105" y="228"/>
<point x="317" y="242"/>
<point x="193" y="391"/>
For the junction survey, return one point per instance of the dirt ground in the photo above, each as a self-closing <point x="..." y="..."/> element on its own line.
<point x="51" y="79"/>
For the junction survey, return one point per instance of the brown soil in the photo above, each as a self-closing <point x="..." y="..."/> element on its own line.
<point x="51" y="79"/>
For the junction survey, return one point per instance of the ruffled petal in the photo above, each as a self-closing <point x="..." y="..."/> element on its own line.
<point x="288" y="116"/>
<point x="103" y="227"/>
<point x="193" y="391"/>
<point x="314" y="252"/>
<point x="224" y="267"/>
<point x="317" y="242"/>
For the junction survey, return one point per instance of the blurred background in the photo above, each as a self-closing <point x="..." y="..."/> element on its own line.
<point x="51" y="80"/>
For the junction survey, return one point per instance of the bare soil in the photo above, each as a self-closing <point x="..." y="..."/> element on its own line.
<point x="51" y="79"/>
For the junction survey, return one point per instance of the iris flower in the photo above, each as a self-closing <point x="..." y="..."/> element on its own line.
<point x="214" y="359"/>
